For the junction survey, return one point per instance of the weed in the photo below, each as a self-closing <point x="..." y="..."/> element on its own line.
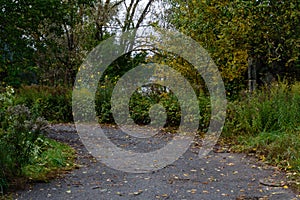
<point x="267" y="123"/>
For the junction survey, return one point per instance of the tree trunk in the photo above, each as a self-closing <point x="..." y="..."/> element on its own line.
<point x="251" y="75"/>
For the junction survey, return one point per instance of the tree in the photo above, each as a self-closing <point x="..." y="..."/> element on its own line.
<point x="235" y="32"/>
<point x="31" y="37"/>
<point x="130" y="15"/>
<point x="50" y="39"/>
<point x="15" y="51"/>
<point x="62" y="39"/>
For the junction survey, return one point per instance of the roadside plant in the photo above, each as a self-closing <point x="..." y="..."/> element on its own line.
<point x="19" y="131"/>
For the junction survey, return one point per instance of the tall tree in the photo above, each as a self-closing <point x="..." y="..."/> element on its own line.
<point x="38" y="36"/>
<point x="15" y="45"/>
<point x="49" y="39"/>
<point x="131" y="15"/>
<point x="235" y="32"/>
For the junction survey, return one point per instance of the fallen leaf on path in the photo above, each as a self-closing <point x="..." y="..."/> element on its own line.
<point x="193" y="191"/>
<point x="137" y="192"/>
<point x="119" y="193"/>
<point x="230" y="164"/>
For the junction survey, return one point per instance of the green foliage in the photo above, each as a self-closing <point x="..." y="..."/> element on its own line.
<point x="44" y="42"/>
<point x="24" y="152"/>
<point x="108" y="81"/>
<point x="234" y="32"/>
<point x="54" y="157"/>
<point x="19" y="131"/>
<point x="141" y="102"/>
<point x="277" y="148"/>
<point x="54" y="103"/>
<point x="267" y="123"/>
<point x="103" y="103"/>
<point x="84" y="104"/>
<point x="6" y="100"/>
<point x="273" y="108"/>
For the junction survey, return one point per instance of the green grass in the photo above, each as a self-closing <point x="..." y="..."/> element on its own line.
<point x="55" y="159"/>
<point x="58" y="157"/>
<point x="267" y="124"/>
<point x="276" y="148"/>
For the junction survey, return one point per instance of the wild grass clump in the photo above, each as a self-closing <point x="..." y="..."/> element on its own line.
<point x="273" y="108"/>
<point x="54" y="157"/>
<point x="267" y="123"/>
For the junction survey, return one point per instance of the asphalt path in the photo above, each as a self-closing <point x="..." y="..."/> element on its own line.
<point x="219" y="175"/>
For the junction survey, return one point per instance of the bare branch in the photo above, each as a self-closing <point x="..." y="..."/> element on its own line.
<point x="144" y="13"/>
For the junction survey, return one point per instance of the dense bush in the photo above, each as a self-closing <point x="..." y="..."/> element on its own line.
<point x="141" y="102"/>
<point x="25" y="153"/>
<point x="19" y="131"/>
<point x="103" y="103"/>
<point x="273" y="108"/>
<point x="54" y="103"/>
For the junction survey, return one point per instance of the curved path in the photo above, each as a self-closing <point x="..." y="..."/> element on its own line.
<point x="217" y="176"/>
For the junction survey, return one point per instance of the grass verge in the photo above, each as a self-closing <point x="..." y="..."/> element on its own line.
<point x="58" y="157"/>
<point x="267" y="124"/>
<point x="55" y="159"/>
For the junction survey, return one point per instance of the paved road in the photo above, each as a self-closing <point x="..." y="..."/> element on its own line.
<point x="217" y="176"/>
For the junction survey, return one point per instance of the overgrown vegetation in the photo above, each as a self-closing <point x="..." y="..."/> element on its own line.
<point x="53" y="103"/>
<point x="25" y="154"/>
<point x="267" y="123"/>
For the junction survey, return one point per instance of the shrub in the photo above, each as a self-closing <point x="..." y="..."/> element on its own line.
<point x="24" y="151"/>
<point x="54" y="103"/>
<point x="103" y="103"/>
<point x="84" y="105"/>
<point x="141" y="102"/>
<point x="19" y="131"/>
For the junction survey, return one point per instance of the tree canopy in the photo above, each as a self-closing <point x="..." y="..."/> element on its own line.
<point x="45" y="41"/>
<point x="265" y="33"/>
